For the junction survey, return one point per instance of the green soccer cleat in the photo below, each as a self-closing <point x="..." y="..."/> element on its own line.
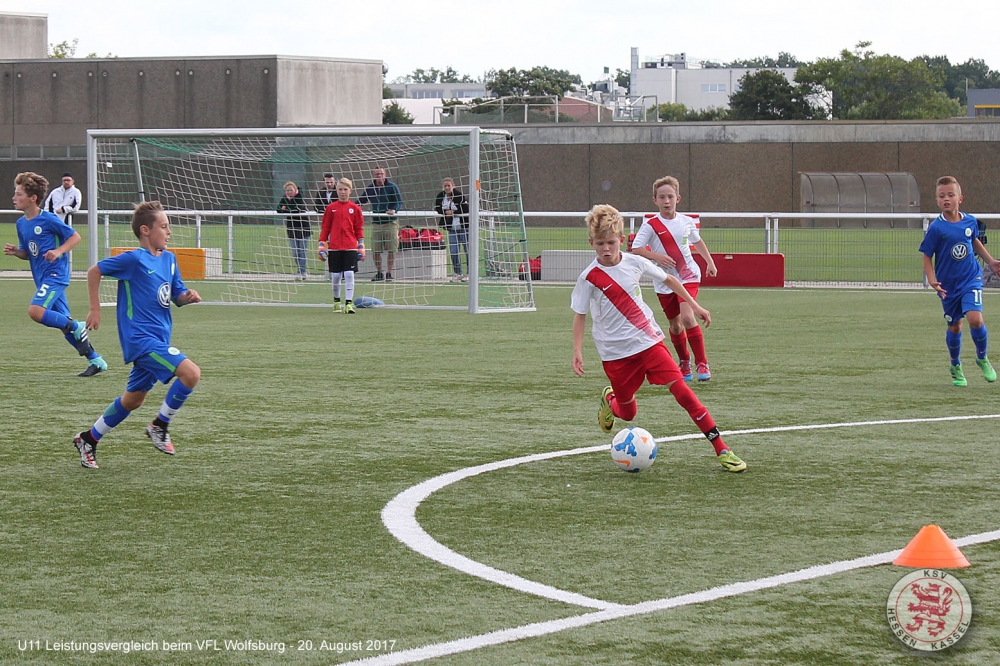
<point x="349" y="308"/>
<point x="338" y="307"/>
<point x="988" y="372"/>
<point x="958" y="377"/>
<point x="605" y="418"/>
<point x="731" y="461"/>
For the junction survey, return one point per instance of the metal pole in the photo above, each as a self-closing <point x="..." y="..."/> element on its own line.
<point x="92" y="199"/>
<point x="474" y="220"/>
<point x="229" y="224"/>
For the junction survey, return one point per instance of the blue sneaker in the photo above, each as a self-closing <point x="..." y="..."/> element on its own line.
<point x="685" y="367"/>
<point x="97" y="365"/>
<point x="704" y="374"/>
<point x="80" y="333"/>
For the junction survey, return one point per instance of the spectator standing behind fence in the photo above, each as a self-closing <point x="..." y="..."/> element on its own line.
<point x="452" y="205"/>
<point x="293" y="207"/>
<point x="65" y="200"/>
<point x="327" y="195"/>
<point x="386" y="200"/>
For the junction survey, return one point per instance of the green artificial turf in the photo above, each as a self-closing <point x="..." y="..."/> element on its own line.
<point x="266" y="524"/>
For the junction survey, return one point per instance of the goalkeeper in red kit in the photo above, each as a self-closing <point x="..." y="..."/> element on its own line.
<point x="342" y="244"/>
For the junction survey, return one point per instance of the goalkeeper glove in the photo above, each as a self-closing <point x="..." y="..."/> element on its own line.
<point x="361" y="250"/>
<point x="322" y="251"/>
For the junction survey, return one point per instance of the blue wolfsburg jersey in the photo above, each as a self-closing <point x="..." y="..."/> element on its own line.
<point x="950" y="245"/>
<point x="146" y="287"/>
<point x="37" y="236"/>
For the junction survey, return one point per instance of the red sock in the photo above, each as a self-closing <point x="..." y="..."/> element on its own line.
<point x="680" y="343"/>
<point x="625" y="411"/>
<point x="697" y="341"/>
<point x="686" y="398"/>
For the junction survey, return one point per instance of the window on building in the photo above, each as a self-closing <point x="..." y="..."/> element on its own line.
<point x="713" y="87"/>
<point x="988" y="112"/>
<point x="428" y="94"/>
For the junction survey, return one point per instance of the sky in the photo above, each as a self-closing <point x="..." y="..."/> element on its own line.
<point x="473" y="37"/>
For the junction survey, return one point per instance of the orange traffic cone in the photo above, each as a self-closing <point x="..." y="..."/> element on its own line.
<point x="933" y="549"/>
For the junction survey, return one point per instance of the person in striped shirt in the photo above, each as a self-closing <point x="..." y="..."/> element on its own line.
<point x="628" y="340"/>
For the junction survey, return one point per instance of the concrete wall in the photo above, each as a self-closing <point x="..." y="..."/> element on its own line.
<point x="329" y="92"/>
<point x="23" y="35"/>
<point x="51" y="103"/>
<point x="727" y="167"/>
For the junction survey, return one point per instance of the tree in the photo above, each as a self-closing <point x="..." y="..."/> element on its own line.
<point x="767" y="62"/>
<point x="394" y="114"/>
<point x="767" y="95"/>
<point x="958" y="79"/>
<point x="864" y="86"/>
<point x="434" y="75"/>
<point x="63" y="49"/>
<point x="534" y="82"/>
<point x="673" y="112"/>
<point x="623" y="78"/>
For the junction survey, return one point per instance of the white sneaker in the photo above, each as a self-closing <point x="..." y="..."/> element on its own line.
<point x="88" y="452"/>
<point x="160" y="438"/>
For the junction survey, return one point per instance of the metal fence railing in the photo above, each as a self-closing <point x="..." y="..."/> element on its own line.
<point x="831" y="249"/>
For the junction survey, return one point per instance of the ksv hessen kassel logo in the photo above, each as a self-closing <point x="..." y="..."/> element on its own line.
<point x="929" y="609"/>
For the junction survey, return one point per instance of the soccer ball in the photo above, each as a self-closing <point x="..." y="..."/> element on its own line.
<point x="633" y="449"/>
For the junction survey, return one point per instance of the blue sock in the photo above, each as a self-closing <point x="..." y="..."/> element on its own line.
<point x="954" y="342"/>
<point x="54" y="320"/>
<point x="111" y="417"/>
<point x="981" y="338"/>
<point x="176" y="395"/>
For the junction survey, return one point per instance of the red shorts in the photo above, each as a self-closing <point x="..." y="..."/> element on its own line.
<point x="627" y="374"/>
<point x="671" y="303"/>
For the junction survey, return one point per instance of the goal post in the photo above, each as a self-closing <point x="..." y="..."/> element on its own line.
<point x="221" y="189"/>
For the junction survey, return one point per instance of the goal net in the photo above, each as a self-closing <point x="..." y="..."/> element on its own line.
<point x="221" y="190"/>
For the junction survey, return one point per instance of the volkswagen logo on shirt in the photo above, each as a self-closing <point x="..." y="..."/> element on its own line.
<point x="959" y="252"/>
<point x="163" y="294"/>
<point x="33" y="248"/>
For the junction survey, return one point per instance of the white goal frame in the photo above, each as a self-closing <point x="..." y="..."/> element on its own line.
<point x="522" y="301"/>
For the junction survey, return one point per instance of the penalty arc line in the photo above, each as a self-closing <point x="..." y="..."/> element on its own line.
<point x="399" y="517"/>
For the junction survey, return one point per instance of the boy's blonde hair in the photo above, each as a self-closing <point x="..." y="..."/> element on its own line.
<point x="667" y="180"/>
<point x="949" y="180"/>
<point x="604" y="220"/>
<point x="346" y="181"/>
<point x="144" y="215"/>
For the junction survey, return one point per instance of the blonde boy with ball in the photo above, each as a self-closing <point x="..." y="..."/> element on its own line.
<point x="628" y="340"/>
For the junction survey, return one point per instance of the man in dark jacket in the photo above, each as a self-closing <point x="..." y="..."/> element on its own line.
<point x="451" y="205"/>
<point x="385" y="199"/>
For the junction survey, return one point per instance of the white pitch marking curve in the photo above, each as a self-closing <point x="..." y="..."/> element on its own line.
<point x="399" y="517"/>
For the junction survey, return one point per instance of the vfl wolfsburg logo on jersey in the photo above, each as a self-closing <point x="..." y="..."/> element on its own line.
<point x="163" y="294"/>
<point x="959" y="252"/>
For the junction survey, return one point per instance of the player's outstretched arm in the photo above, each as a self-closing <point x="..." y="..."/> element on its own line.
<point x="14" y="252"/>
<point x="93" y="321"/>
<point x="710" y="268"/>
<point x="678" y="288"/>
<point x="579" y="323"/>
<point x="932" y="278"/>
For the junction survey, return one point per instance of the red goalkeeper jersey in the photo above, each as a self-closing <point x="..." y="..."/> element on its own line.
<point x="343" y="226"/>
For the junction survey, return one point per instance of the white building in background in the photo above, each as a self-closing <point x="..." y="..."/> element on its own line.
<point x="676" y="79"/>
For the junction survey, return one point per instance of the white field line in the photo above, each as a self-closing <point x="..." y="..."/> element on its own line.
<point x="399" y="517"/>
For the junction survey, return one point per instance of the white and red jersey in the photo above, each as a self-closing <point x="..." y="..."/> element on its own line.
<point x="623" y="324"/>
<point x="343" y="226"/>
<point x="673" y="238"/>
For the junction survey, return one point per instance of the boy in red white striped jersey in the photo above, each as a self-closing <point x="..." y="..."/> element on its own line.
<point x="628" y="340"/>
<point x="666" y="239"/>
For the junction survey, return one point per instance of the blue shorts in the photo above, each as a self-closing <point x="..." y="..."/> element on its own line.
<point x="52" y="297"/>
<point x="158" y="365"/>
<point x="955" y="307"/>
